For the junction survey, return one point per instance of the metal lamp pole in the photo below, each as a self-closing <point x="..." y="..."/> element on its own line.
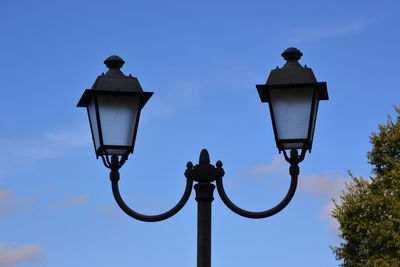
<point x="205" y="174"/>
<point x="292" y="93"/>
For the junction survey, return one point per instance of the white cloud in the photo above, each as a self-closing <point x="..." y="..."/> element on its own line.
<point x="328" y="185"/>
<point x="12" y="255"/>
<point x="277" y="164"/>
<point x="326" y="216"/>
<point x="51" y="144"/>
<point x="325" y="185"/>
<point x="54" y="144"/>
<point x="77" y="138"/>
<point x="9" y="203"/>
<point x="106" y="210"/>
<point x="325" y="32"/>
<point x="20" y="155"/>
<point x="70" y="200"/>
<point x="82" y="200"/>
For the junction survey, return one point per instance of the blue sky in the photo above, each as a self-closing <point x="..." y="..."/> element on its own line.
<point x="202" y="60"/>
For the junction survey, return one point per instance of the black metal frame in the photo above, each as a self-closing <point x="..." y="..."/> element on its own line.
<point x="204" y="174"/>
<point x="319" y="93"/>
<point x="93" y="94"/>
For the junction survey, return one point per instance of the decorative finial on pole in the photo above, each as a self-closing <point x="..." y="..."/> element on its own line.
<point x="204" y="157"/>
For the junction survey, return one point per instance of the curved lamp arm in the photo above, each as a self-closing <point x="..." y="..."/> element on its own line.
<point x="294" y="160"/>
<point x="114" y="177"/>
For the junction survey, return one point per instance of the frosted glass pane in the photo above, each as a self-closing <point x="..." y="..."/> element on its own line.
<point x="93" y="122"/>
<point x="314" y="119"/>
<point x="291" y="108"/>
<point x="118" y="115"/>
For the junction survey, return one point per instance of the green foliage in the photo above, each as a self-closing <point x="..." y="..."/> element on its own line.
<point x="368" y="211"/>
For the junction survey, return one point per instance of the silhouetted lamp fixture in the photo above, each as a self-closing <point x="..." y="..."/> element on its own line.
<point x="293" y="95"/>
<point x="114" y="104"/>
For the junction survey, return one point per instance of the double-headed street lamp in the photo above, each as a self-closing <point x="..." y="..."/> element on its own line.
<point x="114" y="104"/>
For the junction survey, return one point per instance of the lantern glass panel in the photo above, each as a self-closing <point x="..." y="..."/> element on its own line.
<point x="118" y="116"/>
<point x="291" y="110"/>
<point x="91" y="108"/>
<point x="314" y="118"/>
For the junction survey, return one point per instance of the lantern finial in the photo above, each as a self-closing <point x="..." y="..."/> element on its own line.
<point x="292" y="54"/>
<point x="114" y="62"/>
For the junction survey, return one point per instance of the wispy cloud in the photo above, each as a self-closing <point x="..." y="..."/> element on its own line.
<point x="328" y="185"/>
<point x="258" y="174"/>
<point x="106" y="210"/>
<point x="12" y="255"/>
<point x="20" y="155"/>
<point x="70" y="200"/>
<point x="10" y="203"/>
<point x="276" y="165"/>
<point x="326" y="216"/>
<point x="50" y="144"/>
<point x="319" y="32"/>
<point x="71" y="138"/>
<point x="54" y="144"/>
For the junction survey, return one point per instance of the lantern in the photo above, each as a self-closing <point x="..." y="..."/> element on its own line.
<point x="293" y="95"/>
<point x="113" y="105"/>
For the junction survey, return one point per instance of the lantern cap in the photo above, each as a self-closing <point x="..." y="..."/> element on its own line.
<point x="291" y="75"/>
<point x="114" y="79"/>
<point x="114" y="82"/>
<point x="292" y="71"/>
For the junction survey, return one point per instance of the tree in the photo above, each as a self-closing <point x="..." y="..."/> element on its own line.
<point x="368" y="211"/>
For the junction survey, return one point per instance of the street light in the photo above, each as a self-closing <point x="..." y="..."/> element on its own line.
<point x="114" y="104"/>
<point x="293" y="95"/>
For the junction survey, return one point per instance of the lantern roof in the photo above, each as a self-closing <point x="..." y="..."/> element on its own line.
<point x="114" y="81"/>
<point x="292" y="75"/>
<point x="292" y="71"/>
